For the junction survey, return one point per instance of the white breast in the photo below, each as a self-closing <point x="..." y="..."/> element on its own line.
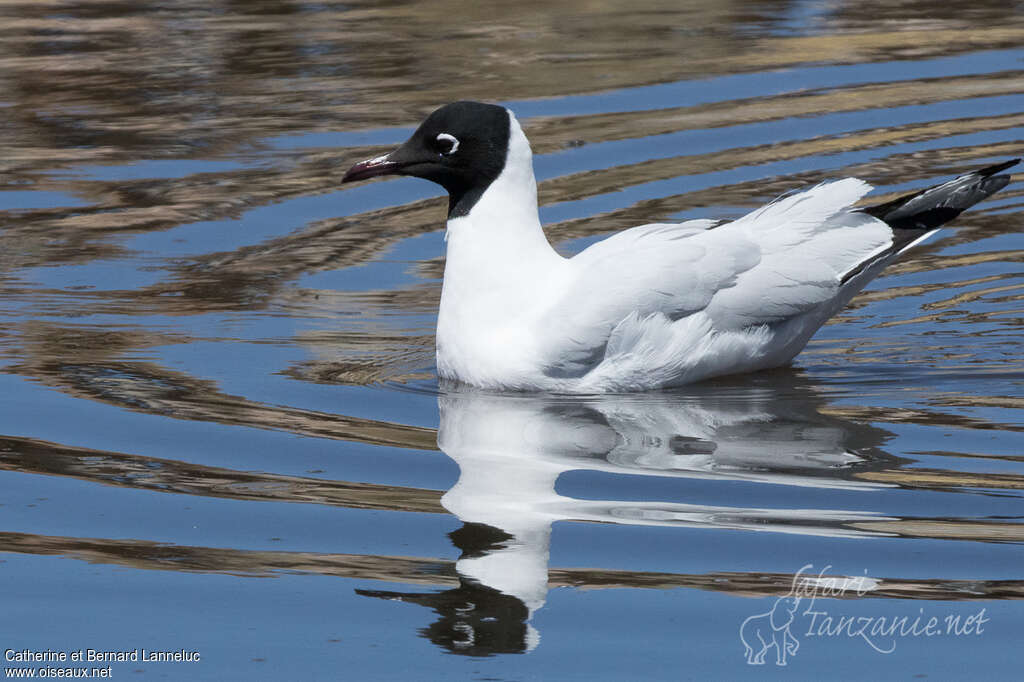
<point x="499" y="270"/>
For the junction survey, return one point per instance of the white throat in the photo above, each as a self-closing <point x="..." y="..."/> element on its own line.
<point x="498" y="265"/>
<point x="505" y="216"/>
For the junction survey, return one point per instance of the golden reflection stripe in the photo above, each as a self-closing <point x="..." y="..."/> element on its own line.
<point x="33" y="456"/>
<point x="596" y="182"/>
<point x="969" y="296"/>
<point x="508" y="55"/>
<point x="100" y="373"/>
<point x="906" y="415"/>
<point x="550" y="134"/>
<point x="144" y="555"/>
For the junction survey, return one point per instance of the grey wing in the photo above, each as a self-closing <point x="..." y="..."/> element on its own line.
<point x="776" y="263"/>
<point x="670" y="270"/>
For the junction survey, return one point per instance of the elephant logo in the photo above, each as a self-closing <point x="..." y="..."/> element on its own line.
<point x="766" y="630"/>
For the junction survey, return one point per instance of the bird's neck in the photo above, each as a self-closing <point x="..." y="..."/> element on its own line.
<point x="503" y="221"/>
<point x="500" y="243"/>
<point x="499" y="270"/>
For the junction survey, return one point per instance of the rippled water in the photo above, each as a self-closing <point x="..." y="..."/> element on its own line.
<point x="221" y="426"/>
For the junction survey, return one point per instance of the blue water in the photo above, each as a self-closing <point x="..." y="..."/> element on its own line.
<point x="221" y="429"/>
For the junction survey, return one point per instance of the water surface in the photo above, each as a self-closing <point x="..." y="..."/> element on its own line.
<point x="220" y="425"/>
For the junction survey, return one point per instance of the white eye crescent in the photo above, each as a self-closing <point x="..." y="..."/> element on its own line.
<point x="452" y="140"/>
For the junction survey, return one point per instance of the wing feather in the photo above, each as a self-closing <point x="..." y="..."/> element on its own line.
<point x="775" y="263"/>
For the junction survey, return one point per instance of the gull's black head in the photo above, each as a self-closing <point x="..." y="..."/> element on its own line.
<point x="462" y="147"/>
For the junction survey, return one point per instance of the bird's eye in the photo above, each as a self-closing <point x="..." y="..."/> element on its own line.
<point x="447" y="144"/>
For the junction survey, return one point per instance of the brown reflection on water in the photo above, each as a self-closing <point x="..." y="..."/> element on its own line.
<point x="114" y="82"/>
<point x="32" y="456"/>
<point x="86" y="85"/>
<point x="110" y="82"/>
<point x="115" y="78"/>
<point x="794" y="439"/>
<point x="89" y="363"/>
<point x="551" y="134"/>
<point x="441" y="572"/>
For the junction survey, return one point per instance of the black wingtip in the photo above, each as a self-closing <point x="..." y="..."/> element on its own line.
<point x="992" y="170"/>
<point x="932" y="207"/>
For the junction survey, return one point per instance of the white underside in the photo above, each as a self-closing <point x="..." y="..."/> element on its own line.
<point x="654" y="306"/>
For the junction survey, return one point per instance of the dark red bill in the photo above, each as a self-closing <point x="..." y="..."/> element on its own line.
<point x="371" y="168"/>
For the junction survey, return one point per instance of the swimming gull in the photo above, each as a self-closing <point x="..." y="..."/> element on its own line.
<point x="653" y="306"/>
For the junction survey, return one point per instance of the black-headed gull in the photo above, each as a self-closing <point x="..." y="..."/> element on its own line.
<point x="653" y="306"/>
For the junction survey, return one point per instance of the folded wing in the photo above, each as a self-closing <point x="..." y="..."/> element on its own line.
<point x="778" y="262"/>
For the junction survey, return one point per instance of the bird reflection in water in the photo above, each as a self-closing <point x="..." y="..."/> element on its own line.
<point x="511" y="449"/>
